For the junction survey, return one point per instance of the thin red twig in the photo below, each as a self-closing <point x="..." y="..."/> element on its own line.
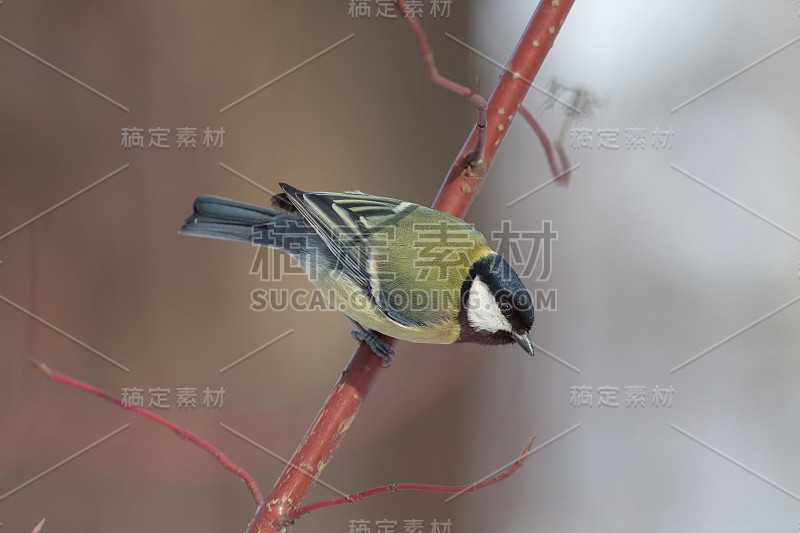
<point x="38" y="527"/>
<point x="556" y="156"/>
<point x="182" y="433"/>
<point x="397" y="487"/>
<point x="476" y="153"/>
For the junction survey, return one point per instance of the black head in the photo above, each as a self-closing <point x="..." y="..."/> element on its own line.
<point x="495" y="307"/>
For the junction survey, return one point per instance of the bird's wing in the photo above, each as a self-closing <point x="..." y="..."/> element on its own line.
<point x="351" y="225"/>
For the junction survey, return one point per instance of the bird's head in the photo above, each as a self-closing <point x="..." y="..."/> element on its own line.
<point x="495" y="306"/>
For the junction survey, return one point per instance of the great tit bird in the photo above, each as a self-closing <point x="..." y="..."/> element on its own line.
<point x="408" y="271"/>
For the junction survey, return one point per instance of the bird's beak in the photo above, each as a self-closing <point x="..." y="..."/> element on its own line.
<point x="524" y="340"/>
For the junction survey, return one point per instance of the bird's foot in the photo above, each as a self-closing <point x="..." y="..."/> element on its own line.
<point x="378" y="346"/>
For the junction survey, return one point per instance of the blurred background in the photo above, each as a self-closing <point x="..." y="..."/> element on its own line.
<point x="680" y="242"/>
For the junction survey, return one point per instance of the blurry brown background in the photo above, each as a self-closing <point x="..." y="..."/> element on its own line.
<point x="650" y="267"/>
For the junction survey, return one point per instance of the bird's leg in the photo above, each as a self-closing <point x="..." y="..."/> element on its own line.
<point x="378" y="346"/>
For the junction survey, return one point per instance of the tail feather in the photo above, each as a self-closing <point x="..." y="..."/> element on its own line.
<point x="227" y="219"/>
<point x="220" y="218"/>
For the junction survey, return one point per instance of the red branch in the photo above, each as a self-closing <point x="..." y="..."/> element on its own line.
<point x="397" y="487"/>
<point x="455" y="196"/>
<point x="182" y="433"/>
<point x="321" y="440"/>
<point x="463" y="182"/>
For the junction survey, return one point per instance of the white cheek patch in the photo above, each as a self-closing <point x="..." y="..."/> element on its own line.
<point x="482" y="311"/>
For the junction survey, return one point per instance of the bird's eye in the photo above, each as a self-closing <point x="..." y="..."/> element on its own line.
<point x="505" y="308"/>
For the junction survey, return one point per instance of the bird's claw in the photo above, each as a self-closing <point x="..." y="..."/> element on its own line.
<point x="378" y="346"/>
